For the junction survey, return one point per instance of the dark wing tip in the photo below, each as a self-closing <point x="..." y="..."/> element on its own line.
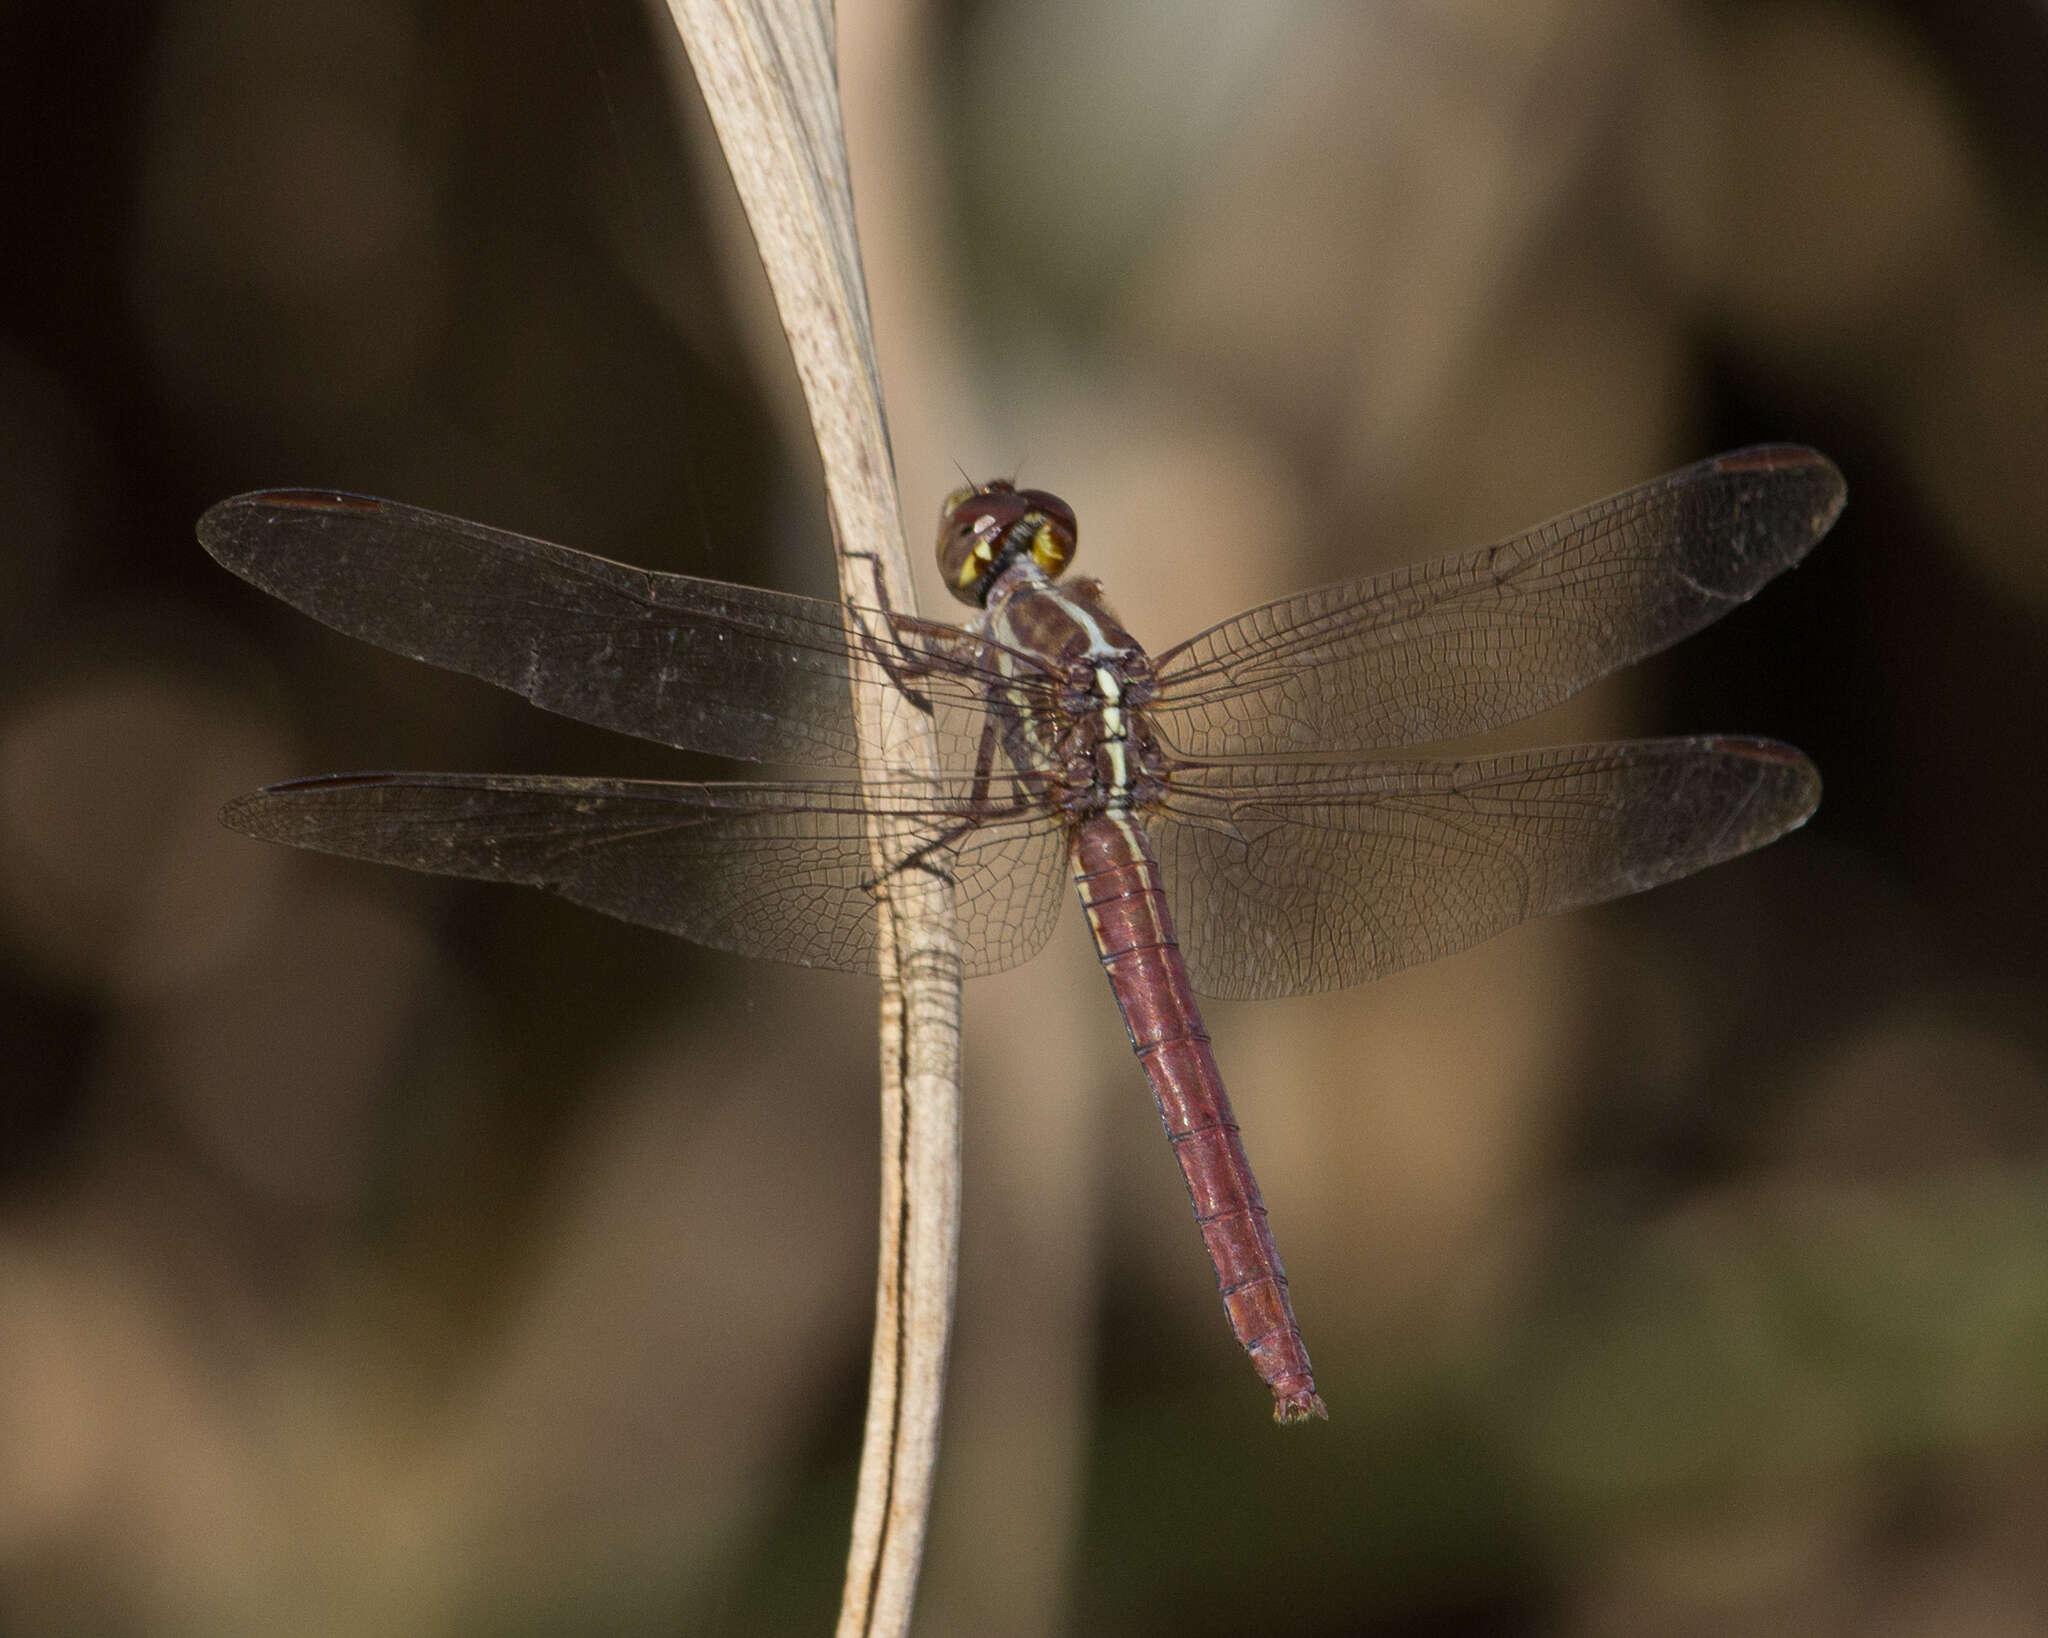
<point x="260" y="813"/>
<point x="250" y="814"/>
<point x="224" y="526"/>
<point x="1828" y="489"/>
<point x="1788" y="787"/>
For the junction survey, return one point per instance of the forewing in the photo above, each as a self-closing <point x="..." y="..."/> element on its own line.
<point x="1467" y="643"/>
<point x="731" y="670"/>
<point x="1289" y="879"/>
<point x="781" y="871"/>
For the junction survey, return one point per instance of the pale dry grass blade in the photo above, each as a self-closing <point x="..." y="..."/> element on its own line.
<point x="767" y="70"/>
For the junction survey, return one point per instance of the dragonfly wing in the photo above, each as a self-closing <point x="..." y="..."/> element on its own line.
<point x="731" y="670"/>
<point x="1289" y="879"/>
<point x="781" y="871"/>
<point x="1467" y="643"/>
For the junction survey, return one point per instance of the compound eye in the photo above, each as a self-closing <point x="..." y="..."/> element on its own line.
<point x="970" y="534"/>
<point x="1054" y="538"/>
<point x="982" y="529"/>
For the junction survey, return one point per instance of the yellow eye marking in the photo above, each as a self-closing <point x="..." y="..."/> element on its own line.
<point x="1046" y="550"/>
<point x="976" y="565"/>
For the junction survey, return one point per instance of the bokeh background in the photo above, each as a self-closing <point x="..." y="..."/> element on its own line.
<point x="383" y="1255"/>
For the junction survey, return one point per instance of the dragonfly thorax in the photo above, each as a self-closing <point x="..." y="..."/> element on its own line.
<point x="984" y="530"/>
<point x="1109" y="760"/>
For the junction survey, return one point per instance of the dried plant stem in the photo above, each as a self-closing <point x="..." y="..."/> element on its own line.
<point x="768" y="74"/>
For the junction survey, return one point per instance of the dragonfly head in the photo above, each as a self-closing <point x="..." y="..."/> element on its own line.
<point x="982" y="531"/>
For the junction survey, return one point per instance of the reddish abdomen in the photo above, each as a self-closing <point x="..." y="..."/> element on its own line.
<point x="1120" y="890"/>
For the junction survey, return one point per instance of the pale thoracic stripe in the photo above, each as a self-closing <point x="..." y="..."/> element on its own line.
<point x="1115" y="731"/>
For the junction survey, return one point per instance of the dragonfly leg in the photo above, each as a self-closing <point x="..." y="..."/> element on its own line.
<point x="894" y="667"/>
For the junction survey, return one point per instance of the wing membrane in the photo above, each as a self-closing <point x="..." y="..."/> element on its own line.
<point x="781" y="871"/>
<point x="1292" y="878"/>
<point x="1468" y="643"/>
<point x="732" y="670"/>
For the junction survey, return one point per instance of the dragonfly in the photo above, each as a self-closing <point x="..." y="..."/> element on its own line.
<point x="1238" y="812"/>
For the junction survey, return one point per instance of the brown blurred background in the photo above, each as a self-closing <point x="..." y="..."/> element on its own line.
<point x="381" y="1255"/>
